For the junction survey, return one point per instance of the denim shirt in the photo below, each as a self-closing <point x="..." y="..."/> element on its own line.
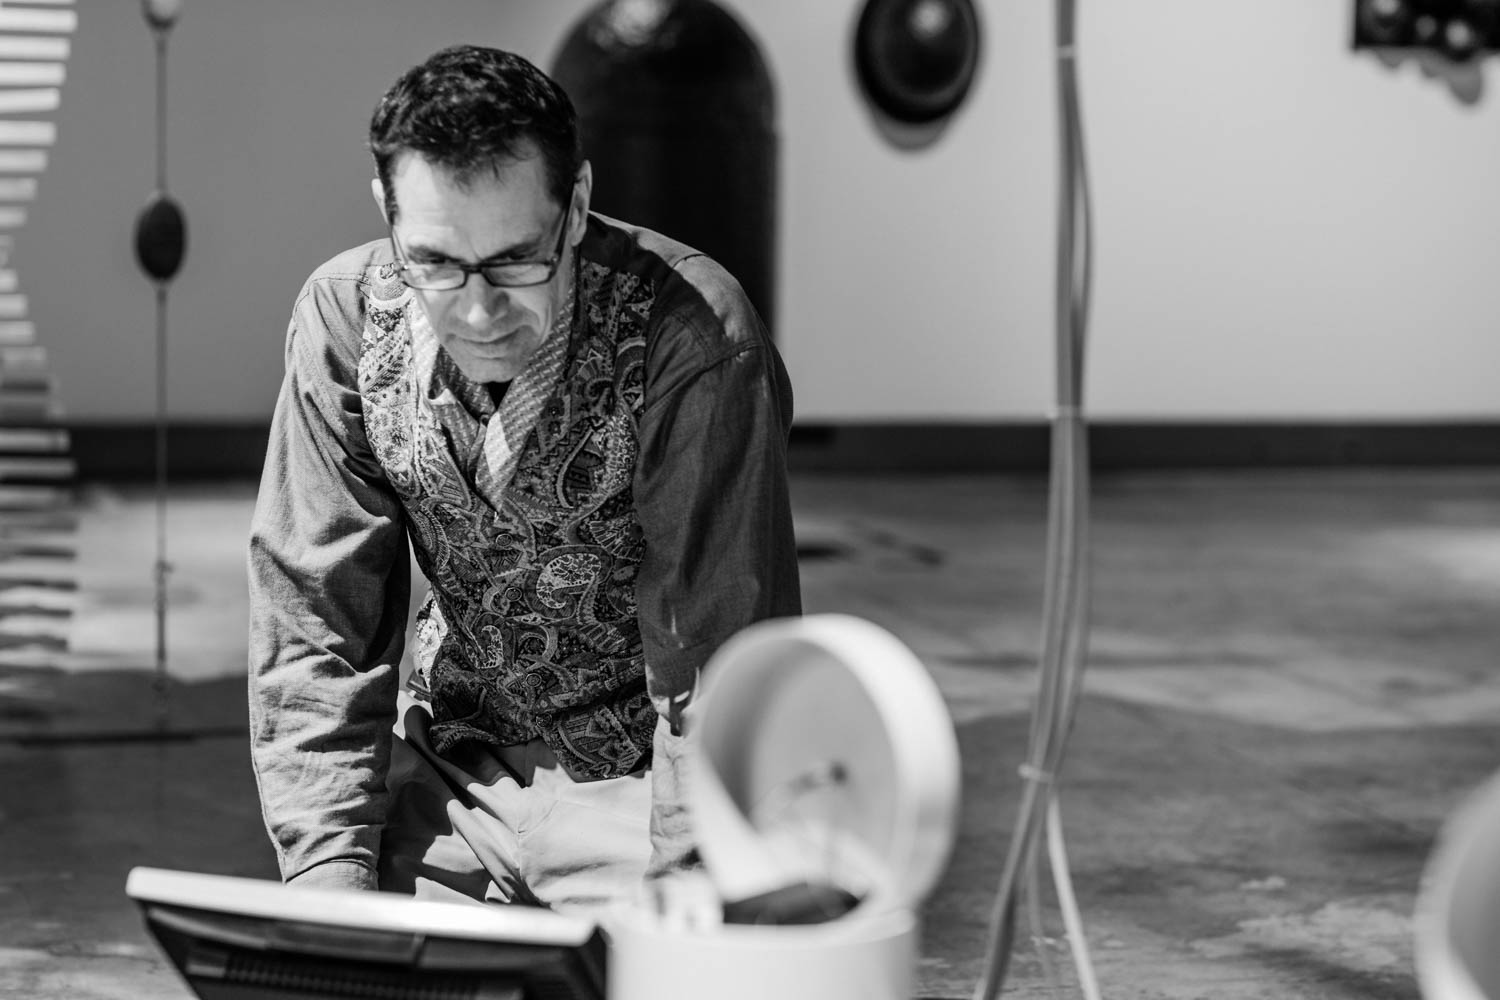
<point x="647" y="521"/>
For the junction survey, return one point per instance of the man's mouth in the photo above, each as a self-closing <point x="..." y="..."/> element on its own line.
<point x="492" y="346"/>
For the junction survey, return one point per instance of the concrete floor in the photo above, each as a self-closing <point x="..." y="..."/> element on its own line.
<point x="1294" y="679"/>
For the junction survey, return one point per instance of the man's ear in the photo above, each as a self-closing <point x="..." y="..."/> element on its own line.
<point x="378" y="190"/>
<point x="583" y="190"/>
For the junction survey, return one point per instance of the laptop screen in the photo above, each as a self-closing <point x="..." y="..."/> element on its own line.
<point x="236" y="938"/>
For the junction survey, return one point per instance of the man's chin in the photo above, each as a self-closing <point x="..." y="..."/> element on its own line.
<point x="488" y="369"/>
<point x="490" y="366"/>
<point x="505" y="359"/>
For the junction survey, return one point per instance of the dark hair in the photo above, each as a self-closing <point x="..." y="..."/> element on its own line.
<point x="469" y="108"/>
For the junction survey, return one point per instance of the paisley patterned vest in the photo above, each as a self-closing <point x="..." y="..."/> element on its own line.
<point x="530" y="628"/>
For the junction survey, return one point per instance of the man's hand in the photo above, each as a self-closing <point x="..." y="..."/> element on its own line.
<point x="681" y="901"/>
<point x="673" y="847"/>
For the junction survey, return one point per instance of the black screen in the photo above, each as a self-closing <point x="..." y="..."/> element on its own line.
<point x="232" y="957"/>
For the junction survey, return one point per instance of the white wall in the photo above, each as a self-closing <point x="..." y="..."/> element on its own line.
<point x="1286" y="228"/>
<point x="268" y="106"/>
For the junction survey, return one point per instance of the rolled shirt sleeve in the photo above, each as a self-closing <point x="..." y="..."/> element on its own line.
<point x="329" y="589"/>
<point x="712" y="497"/>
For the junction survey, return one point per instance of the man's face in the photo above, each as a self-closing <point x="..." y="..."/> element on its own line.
<point x="491" y="333"/>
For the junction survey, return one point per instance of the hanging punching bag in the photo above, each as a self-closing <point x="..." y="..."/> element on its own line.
<point x="677" y="114"/>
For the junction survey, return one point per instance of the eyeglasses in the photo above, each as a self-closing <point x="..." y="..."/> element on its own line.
<point x="445" y="276"/>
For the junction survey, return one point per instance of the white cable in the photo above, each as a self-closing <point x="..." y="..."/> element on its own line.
<point x="1033" y="891"/>
<point x="1066" y="591"/>
<point x="1057" y="855"/>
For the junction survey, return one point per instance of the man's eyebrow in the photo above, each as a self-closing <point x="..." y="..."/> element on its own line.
<point x="427" y="255"/>
<point x="520" y="250"/>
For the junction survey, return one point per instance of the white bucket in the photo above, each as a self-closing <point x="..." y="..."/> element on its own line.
<point x="1457" y="925"/>
<point x="853" y="958"/>
<point x="820" y="752"/>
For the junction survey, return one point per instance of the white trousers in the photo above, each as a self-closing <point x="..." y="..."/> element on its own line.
<point x="507" y="825"/>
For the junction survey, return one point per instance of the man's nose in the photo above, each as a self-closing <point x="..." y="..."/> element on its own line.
<point x="480" y="302"/>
